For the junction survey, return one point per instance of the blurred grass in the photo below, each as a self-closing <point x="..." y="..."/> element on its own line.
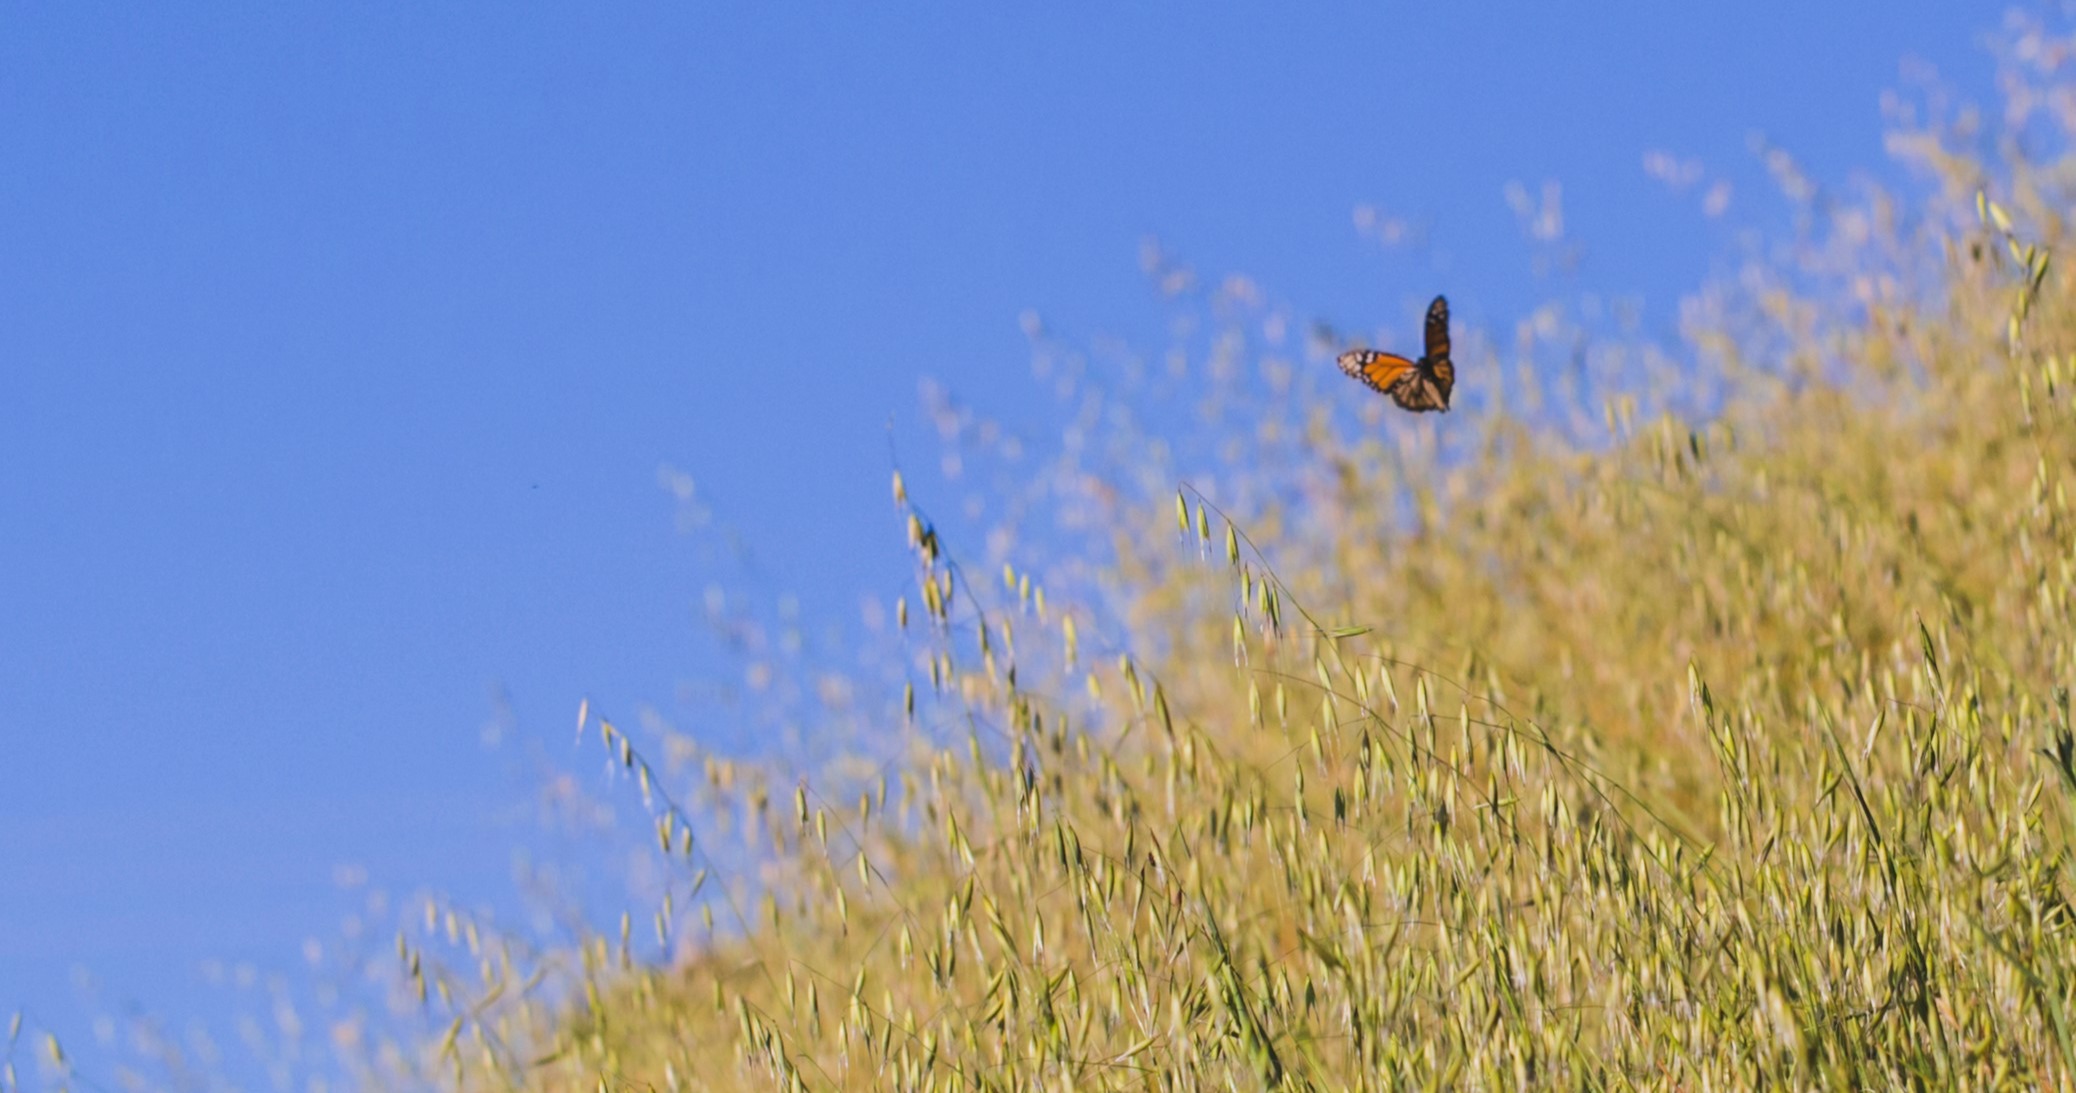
<point x="1700" y="750"/>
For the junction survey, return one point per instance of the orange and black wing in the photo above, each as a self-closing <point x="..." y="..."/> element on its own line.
<point x="1438" y="329"/>
<point x="1380" y="371"/>
<point x="1428" y="385"/>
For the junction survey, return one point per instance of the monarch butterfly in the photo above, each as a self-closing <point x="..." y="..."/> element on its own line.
<point x="1415" y="385"/>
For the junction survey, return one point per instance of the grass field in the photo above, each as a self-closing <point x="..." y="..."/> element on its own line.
<point x="1698" y="749"/>
<point x="1705" y="726"/>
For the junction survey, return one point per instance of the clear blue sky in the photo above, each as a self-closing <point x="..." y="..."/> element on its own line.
<point x="340" y="347"/>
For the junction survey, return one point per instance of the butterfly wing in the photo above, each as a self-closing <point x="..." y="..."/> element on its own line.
<point x="1428" y="385"/>
<point x="1438" y="329"/>
<point x="1421" y="390"/>
<point x="1380" y="371"/>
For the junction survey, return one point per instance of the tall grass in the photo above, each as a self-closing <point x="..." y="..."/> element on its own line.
<point x="1723" y="744"/>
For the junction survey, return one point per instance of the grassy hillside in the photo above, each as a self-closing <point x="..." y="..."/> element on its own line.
<point x="1690" y="750"/>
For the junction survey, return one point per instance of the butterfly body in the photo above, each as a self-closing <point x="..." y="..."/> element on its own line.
<point x="1416" y="385"/>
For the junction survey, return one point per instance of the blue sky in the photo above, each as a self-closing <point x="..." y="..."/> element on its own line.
<point x="340" y="348"/>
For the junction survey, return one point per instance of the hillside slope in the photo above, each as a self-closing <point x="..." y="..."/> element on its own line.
<point x="1697" y="751"/>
